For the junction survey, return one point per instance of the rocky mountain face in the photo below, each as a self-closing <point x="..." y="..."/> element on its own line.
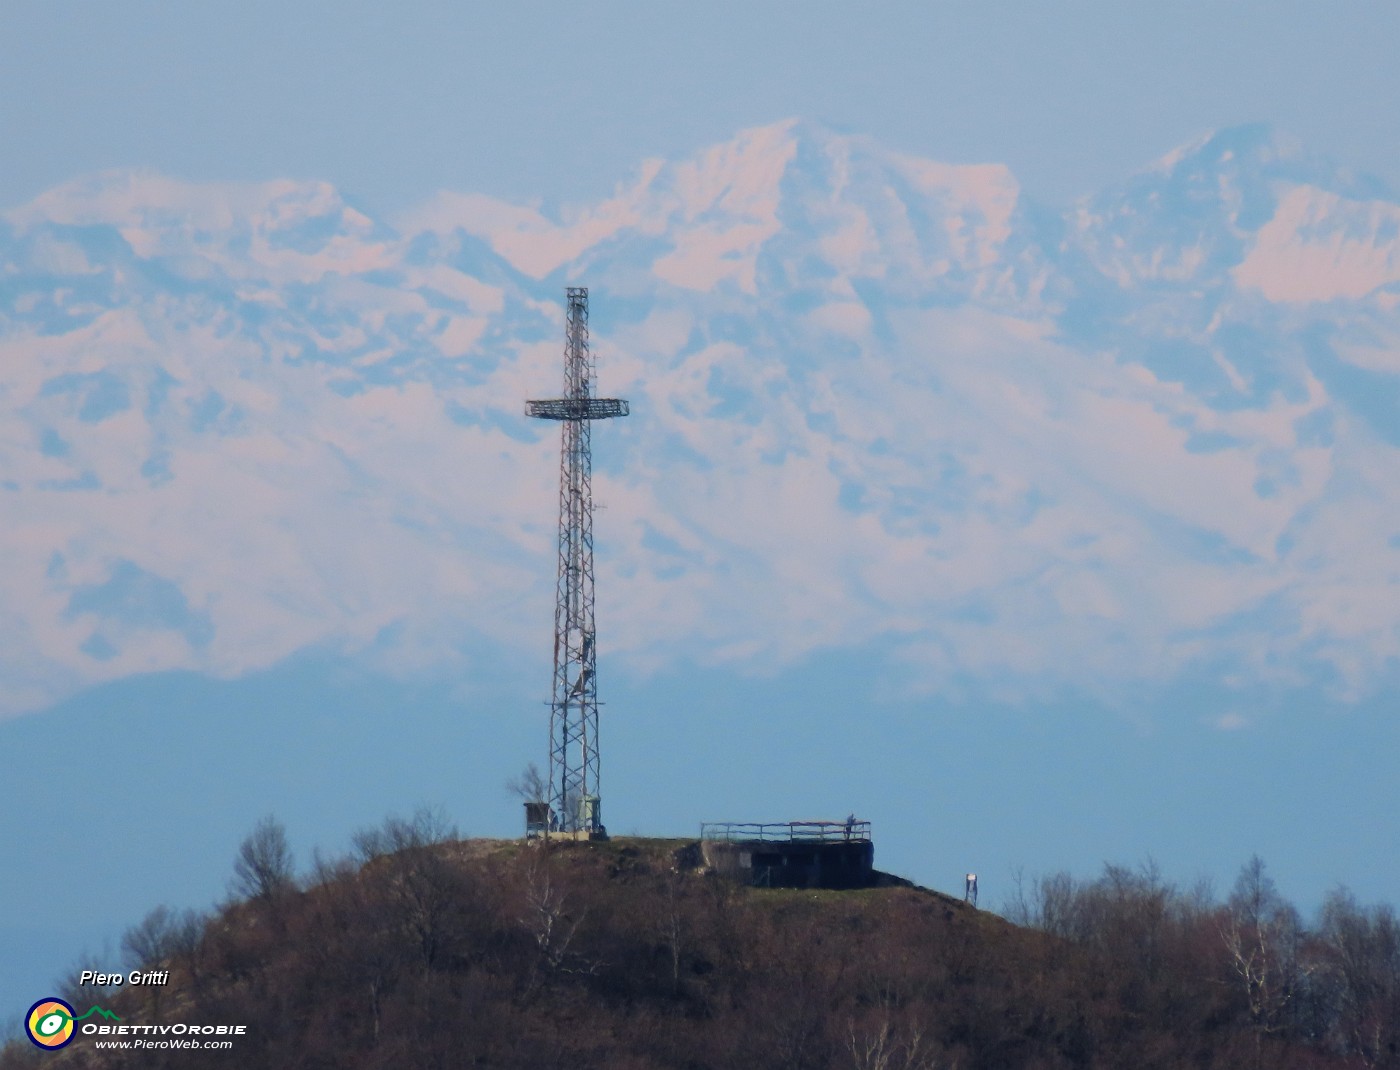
<point x="876" y="400"/>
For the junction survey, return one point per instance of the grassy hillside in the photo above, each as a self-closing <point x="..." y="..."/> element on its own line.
<point x="425" y="951"/>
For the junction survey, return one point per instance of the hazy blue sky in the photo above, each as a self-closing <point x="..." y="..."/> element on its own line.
<point x="558" y="101"/>
<point x="323" y="548"/>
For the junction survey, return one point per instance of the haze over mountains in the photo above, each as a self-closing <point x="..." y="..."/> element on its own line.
<point x="971" y="515"/>
<point x="878" y="401"/>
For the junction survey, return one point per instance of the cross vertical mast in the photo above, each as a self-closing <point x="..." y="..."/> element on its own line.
<point x="574" y="796"/>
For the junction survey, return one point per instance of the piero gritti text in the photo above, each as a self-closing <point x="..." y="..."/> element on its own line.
<point x="135" y="977"/>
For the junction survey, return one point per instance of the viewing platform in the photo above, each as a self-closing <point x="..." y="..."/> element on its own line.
<point x="791" y="854"/>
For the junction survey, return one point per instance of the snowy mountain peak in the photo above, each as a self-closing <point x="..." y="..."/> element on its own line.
<point x="877" y="400"/>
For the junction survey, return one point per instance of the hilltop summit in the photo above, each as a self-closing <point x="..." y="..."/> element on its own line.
<point x="444" y="953"/>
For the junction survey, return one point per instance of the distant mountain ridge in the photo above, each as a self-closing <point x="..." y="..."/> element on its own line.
<point x="876" y="399"/>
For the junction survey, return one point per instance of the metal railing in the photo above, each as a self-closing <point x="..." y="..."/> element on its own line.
<point x="785" y="831"/>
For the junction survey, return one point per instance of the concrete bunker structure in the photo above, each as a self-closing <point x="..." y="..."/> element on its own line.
<point x="791" y="854"/>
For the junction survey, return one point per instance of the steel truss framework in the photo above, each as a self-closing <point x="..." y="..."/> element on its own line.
<point x="573" y="708"/>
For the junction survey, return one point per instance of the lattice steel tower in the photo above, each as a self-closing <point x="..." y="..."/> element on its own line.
<point x="573" y="708"/>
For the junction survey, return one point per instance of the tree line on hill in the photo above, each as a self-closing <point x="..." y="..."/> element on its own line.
<point x="422" y="950"/>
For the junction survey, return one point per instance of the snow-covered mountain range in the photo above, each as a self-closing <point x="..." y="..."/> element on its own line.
<point x="878" y="401"/>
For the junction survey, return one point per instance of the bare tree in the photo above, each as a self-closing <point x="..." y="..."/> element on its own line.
<point x="420" y="889"/>
<point x="160" y="935"/>
<point x="1262" y="935"/>
<point x="548" y="920"/>
<point x="1361" y="950"/>
<point x="81" y="996"/>
<point x="883" y="1045"/>
<point x="328" y="871"/>
<point x="530" y="785"/>
<point x="1054" y="904"/>
<point x="263" y="867"/>
<point x="428" y="827"/>
<point x="672" y="925"/>
<point x="164" y="937"/>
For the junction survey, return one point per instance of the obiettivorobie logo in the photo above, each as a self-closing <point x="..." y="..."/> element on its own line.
<point x="52" y="1023"/>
